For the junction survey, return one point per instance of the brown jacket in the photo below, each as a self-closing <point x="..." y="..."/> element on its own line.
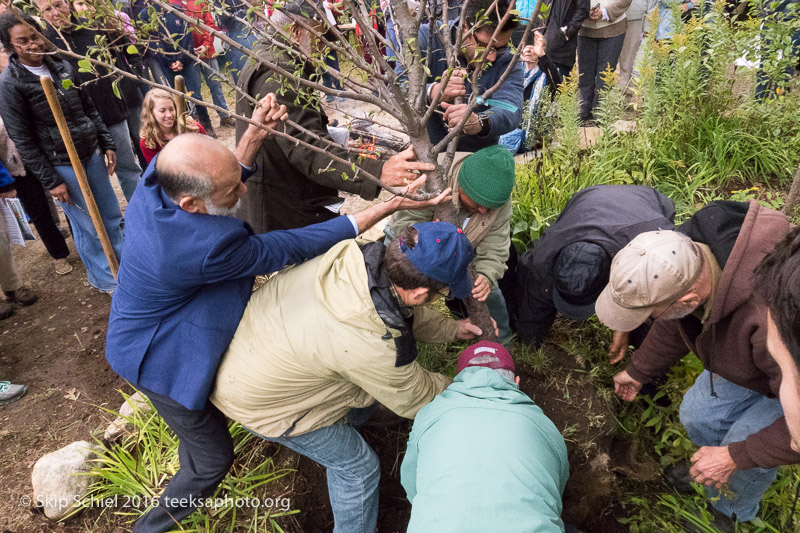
<point x="732" y="342"/>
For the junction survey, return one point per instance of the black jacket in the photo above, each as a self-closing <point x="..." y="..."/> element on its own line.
<point x="609" y="216"/>
<point x="294" y="184"/>
<point x="31" y="124"/>
<point x="570" y="13"/>
<point x="112" y="109"/>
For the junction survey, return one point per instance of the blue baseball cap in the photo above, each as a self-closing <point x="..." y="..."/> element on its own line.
<point x="442" y="253"/>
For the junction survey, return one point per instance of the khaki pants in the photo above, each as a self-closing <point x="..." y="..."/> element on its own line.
<point x="627" y="58"/>
<point x="9" y="279"/>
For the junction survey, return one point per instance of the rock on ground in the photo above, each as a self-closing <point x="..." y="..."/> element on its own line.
<point x="59" y="481"/>
<point x="117" y="428"/>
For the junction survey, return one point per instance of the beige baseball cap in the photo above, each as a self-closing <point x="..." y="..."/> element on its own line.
<point x="654" y="268"/>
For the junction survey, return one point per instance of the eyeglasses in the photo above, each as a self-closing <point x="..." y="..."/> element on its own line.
<point x="649" y="321"/>
<point x="481" y="45"/>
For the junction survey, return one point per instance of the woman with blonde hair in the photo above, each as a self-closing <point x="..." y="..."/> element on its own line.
<point x="160" y="123"/>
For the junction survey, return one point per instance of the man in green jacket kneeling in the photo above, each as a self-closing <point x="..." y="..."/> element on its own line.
<point x="482" y="456"/>
<point x="321" y="343"/>
<point x="482" y="183"/>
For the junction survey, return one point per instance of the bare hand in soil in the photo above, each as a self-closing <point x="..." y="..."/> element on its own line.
<point x="619" y="347"/>
<point x="626" y="387"/>
<point x="466" y="330"/>
<point x="712" y="466"/>
<point x="481" y="289"/>
<point x="399" y="169"/>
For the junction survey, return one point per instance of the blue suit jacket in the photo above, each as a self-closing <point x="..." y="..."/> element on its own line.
<point x="183" y="284"/>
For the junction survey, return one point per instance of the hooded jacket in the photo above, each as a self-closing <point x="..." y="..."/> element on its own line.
<point x="31" y="125"/>
<point x="483" y="457"/>
<point x="609" y="216"/>
<point x="732" y="341"/>
<point x="311" y="346"/>
<point x="493" y="230"/>
<point x="296" y="183"/>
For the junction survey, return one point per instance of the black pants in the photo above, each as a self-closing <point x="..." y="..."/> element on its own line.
<point x="594" y="57"/>
<point x="206" y="455"/>
<point x="31" y="193"/>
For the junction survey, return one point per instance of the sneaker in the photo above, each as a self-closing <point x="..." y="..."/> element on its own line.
<point x="227" y="122"/>
<point x="10" y="393"/>
<point x="63" y="267"/>
<point x="6" y="310"/>
<point x="22" y="296"/>
<point x="110" y="292"/>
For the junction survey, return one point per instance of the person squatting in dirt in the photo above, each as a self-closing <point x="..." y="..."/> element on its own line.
<point x="695" y="284"/>
<point x="480" y="438"/>
<point x="322" y="345"/>
<point x="482" y="183"/>
<point x="186" y="275"/>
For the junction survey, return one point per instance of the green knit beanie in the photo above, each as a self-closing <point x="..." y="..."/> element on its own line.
<point x="487" y="176"/>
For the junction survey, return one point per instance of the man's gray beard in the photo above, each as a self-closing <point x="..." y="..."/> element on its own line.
<point x="676" y="314"/>
<point x="215" y="210"/>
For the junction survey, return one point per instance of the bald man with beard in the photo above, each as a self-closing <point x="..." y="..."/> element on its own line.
<point x="186" y="274"/>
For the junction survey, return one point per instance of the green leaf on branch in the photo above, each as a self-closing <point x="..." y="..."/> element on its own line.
<point x="132" y="50"/>
<point x="66" y="84"/>
<point x="84" y="65"/>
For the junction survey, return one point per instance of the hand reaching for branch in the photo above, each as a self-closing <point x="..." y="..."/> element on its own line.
<point x="268" y="113"/>
<point x="455" y="112"/>
<point x="400" y="202"/>
<point x="626" y="387"/>
<point x="455" y="86"/>
<point x="398" y="169"/>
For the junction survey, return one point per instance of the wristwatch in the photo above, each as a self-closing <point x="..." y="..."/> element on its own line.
<point x="485" y="123"/>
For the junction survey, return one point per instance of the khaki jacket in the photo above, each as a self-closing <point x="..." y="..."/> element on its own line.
<point x="490" y="234"/>
<point x="311" y="345"/>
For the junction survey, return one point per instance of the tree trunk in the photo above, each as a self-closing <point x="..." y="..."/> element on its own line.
<point x="794" y="195"/>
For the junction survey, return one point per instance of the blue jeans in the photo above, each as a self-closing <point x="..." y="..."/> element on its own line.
<point x="497" y="308"/>
<point x="128" y="170"/>
<point x="208" y="68"/>
<point x="85" y="236"/>
<point x="239" y="33"/>
<point x="352" y="468"/>
<point x="735" y="414"/>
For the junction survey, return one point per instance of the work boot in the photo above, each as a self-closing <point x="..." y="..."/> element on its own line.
<point x="227" y="122"/>
<point x="22" y="296"/>
<point x="6" y="310"/>
<point x="63" y="267"/>
<point x="10" y="393"/>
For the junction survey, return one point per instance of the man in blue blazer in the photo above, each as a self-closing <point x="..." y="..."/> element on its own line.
<point x="186" y="274"/>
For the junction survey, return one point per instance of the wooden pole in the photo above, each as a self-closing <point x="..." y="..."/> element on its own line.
<point x="77" y="166"/>
<point x="180" y="85"/>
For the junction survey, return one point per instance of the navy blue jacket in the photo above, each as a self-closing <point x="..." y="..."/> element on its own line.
<point x="503" y="118"/>
<point x="183" y="284"/>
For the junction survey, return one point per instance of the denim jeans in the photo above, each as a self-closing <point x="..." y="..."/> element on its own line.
<point x="128" y="169"/>
<point x="85" y="236"/>
<point x="353" y="472"/>
<point x="497" y="308"/>
<point x="735" y="414"/>
<point x="208" y="69"/>
<point x="240" y="34"/>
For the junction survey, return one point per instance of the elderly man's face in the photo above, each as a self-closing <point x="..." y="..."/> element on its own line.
<point x="790" y="382"/>
<point x="228" y="190"/>
<point x="56" y="12"/>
